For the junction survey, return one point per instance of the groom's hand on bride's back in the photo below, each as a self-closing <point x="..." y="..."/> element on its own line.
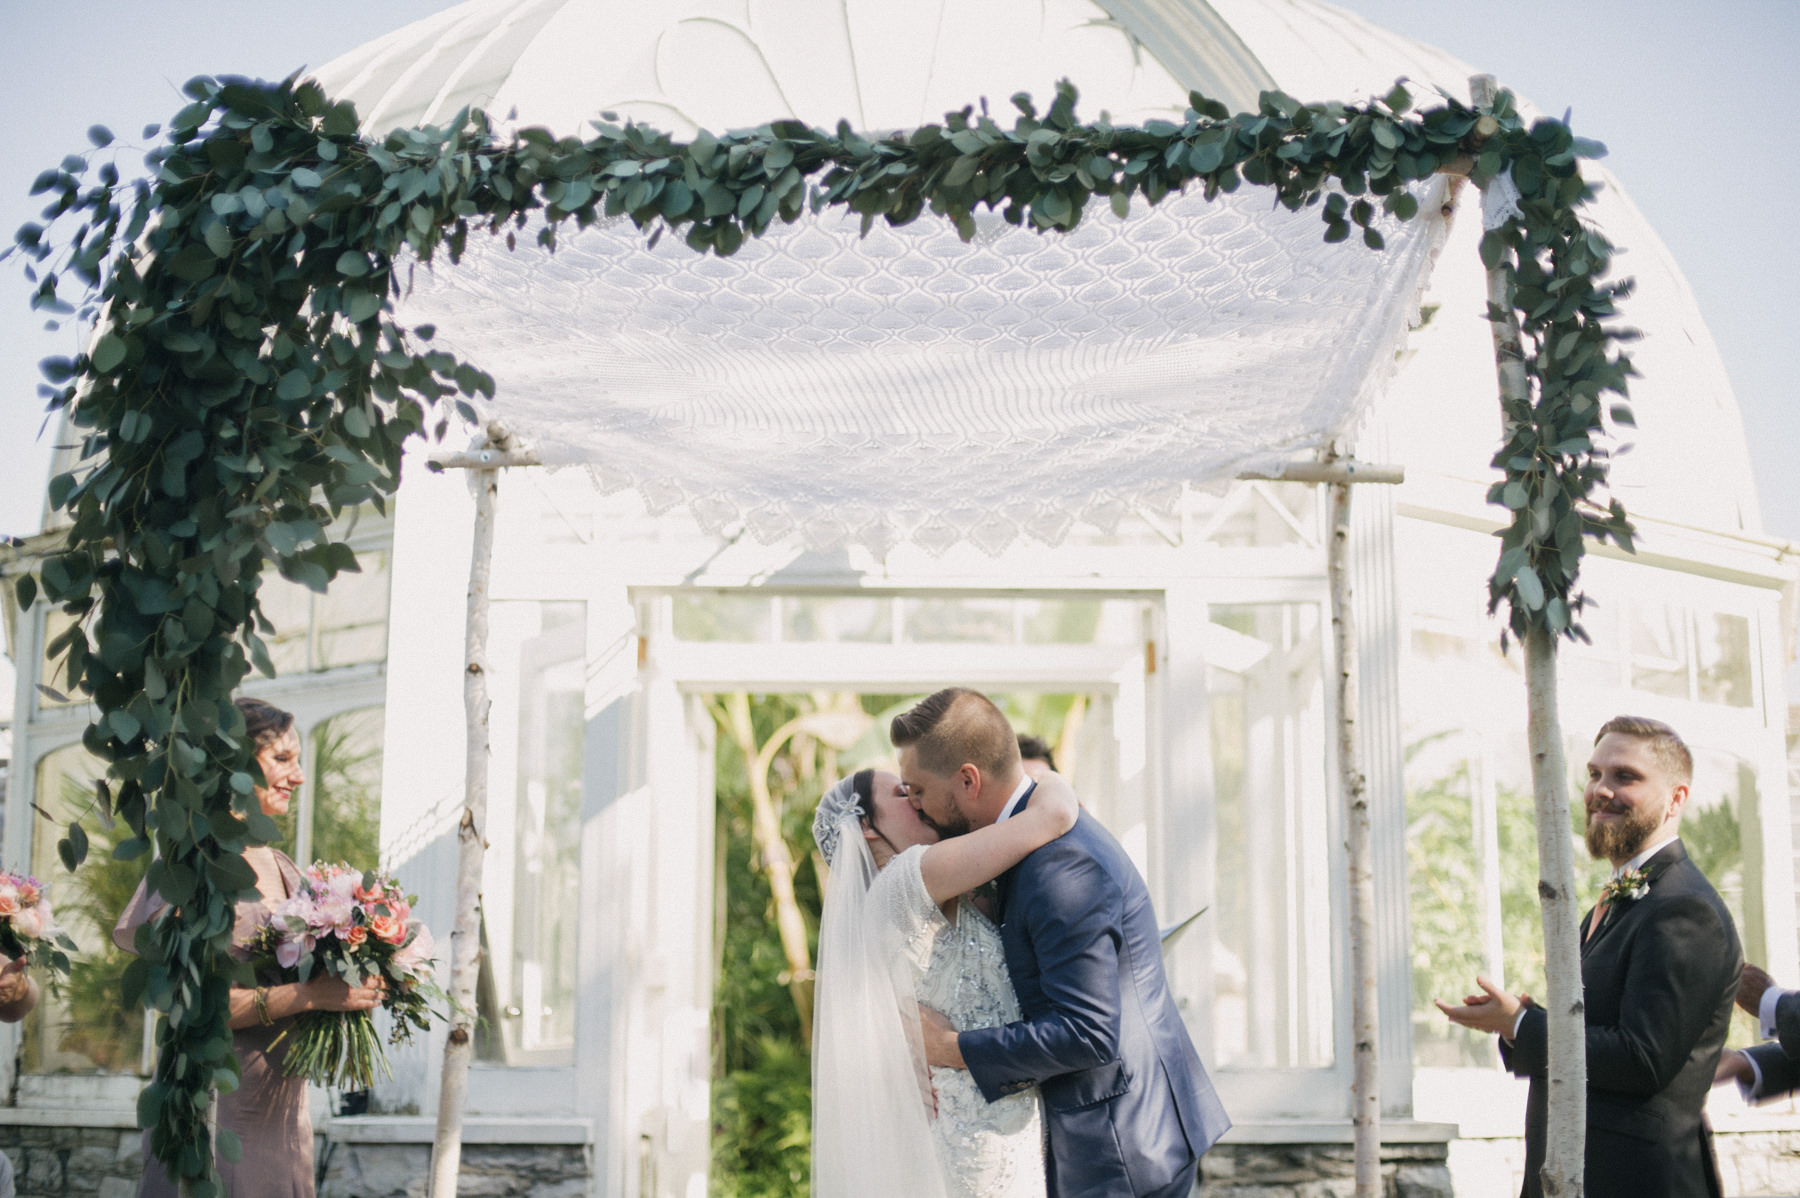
<point x="941" y="1046"/>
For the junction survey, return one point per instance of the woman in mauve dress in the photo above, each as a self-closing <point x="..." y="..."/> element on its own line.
<point x="268" y="1109"/>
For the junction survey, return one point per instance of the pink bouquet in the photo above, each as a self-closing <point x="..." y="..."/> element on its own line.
<point x="27" y="927"/>
<point x="352" y="925"/>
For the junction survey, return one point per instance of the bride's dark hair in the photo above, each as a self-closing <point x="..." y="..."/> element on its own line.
<point x="862" y="782"/>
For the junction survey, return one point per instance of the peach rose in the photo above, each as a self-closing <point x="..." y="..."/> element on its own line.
<point x="388" y="928"/>
<point x="354" y="936"/>
<point x="30" y="892"/>
<point x="9" y="900"/>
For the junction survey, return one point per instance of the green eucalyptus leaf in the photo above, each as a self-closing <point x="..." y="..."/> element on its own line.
<point x="109" y="353"/>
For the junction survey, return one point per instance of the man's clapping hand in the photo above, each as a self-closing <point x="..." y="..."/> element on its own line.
<point x="1755" y="983"/>
<point x="1493" y="1010"/>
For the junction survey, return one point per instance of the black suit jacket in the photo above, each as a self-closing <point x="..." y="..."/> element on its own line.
<point x="1128" y="1106"/>
<point x="1779" y="1062"/>
<point x="1659" y="977"/>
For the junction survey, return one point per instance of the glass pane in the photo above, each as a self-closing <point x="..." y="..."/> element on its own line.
<point x="740" y="618"/>
<point x="352" y="615"/>
<point x="288" y="606"/>
<point x="1272" y="1001"/>
<point x="56" y="622"/>
<point x="539" y="653"/>
<point x="86" y="1029"/>
<point x="344" y="776"/>
<point x="1598" y="663"/>
<point x="1721" y="829"/>
<point x="959" y="621"/>
<point x="1659" y="656"/>
<point x="1722" y="651"/>
<point x="862" y="621"/>
<point x="1259" y="515"/>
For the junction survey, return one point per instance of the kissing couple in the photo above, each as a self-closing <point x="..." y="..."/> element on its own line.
<point x="1018" y="1044"/>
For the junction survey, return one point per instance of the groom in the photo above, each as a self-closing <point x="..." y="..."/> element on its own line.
<point x="1128" y="1106"/>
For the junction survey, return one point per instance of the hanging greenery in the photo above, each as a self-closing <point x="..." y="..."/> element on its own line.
<point x="248" y="380"/>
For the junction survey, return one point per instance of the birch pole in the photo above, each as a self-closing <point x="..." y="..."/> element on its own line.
<point x="465" y="937"/>
<point x="1365" y="1028"/>
<point x="1566" y="1124"/>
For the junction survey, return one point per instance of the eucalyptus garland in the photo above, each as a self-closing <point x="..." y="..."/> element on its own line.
<point x="248" y="381"/>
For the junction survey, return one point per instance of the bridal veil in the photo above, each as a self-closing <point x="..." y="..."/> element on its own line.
<point x="871" y="1130"/>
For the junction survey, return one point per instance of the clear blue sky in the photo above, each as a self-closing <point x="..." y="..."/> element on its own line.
<point x="1693" y="100"/>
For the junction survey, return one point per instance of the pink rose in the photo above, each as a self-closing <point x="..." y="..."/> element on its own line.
<point x="29" y="924"/>
<point x="415" y="956"/>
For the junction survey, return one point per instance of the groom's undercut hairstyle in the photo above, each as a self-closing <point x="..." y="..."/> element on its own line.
<point x="1666" y="745"/>
<point x="957" y="726"/>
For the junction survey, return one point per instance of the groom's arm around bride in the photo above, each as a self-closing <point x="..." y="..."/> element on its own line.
<point x="1128" y="1106"/>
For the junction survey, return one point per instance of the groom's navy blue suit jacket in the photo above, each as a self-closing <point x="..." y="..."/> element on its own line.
<point x="1128" y="1105"/>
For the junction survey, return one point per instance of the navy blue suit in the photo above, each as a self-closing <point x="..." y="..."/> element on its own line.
<point x="1127" y="1105"/>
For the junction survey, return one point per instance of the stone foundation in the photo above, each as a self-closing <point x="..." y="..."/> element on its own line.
<point x="99" y="1162"/>
<point x="488" y="1171"/>
<point x="1759" y="1164"/>
<point x="1322" y="1171"/>
<point x="73" y="1162"/>
<point x="106" y="1162"/>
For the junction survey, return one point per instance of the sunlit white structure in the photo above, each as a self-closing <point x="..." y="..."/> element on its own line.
<point x="1192" y="620"/>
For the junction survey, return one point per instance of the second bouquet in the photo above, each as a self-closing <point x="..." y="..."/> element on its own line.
<point x="353" y="925"/>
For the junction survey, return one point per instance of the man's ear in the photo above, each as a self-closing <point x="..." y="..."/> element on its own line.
<point x="968" y="777"/>
<point x="1678" y="798"/>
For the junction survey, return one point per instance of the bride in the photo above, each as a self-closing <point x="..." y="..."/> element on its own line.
<point x="900" y="930"/>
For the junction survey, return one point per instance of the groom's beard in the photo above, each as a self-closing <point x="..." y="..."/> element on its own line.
<point x="956" y="824"/>
<point x="1625" y="838"/>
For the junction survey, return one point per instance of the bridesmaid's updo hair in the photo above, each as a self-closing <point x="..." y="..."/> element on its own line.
<point x="264" y="723"/>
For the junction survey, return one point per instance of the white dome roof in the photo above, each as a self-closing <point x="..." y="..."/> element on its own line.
<point x="719" y="64"/>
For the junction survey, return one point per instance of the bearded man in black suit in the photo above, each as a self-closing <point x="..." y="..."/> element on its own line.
<point x="1660" y="964"/>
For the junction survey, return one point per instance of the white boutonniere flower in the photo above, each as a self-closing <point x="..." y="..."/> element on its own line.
<point x="1629" y="886"/>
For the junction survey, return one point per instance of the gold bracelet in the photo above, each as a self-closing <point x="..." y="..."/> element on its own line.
<point x="261" y="997"/>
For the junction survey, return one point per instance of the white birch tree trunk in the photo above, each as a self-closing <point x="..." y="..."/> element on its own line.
<point x="465" y="937"/>
<point x="1565" y="1147"/>
<point x="1365" y="1026"/>
<point x="1565" y="1144"/>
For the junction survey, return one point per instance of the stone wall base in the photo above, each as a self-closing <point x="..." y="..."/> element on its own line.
<point x="488" y="1171"/>
<point x="103" y="1162"/>
<point x="87" y="1162"/>
<point x="73" y="1162"/>
<point x="1322" y="1171"/>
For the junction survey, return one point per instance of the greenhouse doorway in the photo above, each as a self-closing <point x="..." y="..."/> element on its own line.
<point x="783" y="693"/>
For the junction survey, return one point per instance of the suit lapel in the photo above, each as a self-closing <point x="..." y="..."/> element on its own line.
<point x="1619" y="909"/>
<point x="1003" y="884"/>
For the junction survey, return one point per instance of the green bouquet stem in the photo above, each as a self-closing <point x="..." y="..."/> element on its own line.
<point x="334" y="1048"/>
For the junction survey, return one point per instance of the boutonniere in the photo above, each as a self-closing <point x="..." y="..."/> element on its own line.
<point x="1629" y="886"/>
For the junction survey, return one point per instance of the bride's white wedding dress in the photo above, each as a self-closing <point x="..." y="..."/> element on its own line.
<point x="989" y="1149"/>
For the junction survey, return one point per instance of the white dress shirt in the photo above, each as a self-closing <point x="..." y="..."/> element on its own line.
<point x="1012" y="804"/>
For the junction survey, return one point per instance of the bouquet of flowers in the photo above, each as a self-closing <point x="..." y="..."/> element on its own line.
<point x="348" y="924"/>
<point x="28" y="929"/>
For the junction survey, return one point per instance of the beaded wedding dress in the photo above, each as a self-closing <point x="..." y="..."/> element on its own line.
<point x="988" y="1149"/>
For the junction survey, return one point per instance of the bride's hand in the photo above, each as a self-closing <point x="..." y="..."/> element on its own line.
<point x="1054" y="802"/>
<point x="941" y="1047"/>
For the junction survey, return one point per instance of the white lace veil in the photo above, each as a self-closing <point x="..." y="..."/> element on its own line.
<point x="871" y="1133"/>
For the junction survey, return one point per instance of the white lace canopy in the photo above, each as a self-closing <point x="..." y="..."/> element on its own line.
<point x="908" y="386"/>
